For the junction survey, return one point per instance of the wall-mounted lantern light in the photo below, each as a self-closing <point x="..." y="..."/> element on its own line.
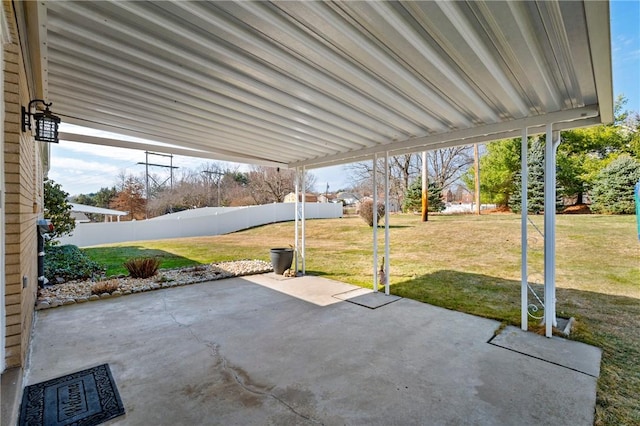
<point x="46" y="123"/>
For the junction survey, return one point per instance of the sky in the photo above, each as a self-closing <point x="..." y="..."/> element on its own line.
<point x="84" y="169"/>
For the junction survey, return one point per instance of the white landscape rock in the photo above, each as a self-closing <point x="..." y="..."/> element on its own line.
<point x="80" y="291"/>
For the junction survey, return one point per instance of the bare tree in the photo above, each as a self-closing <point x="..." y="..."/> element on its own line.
<point x="448" y="164"/>
<point x="271" y="184"/>
<point x="445" y="166"/>
<point x="209" y="185"/>
<point x="184" y="195"/>
<point x="402" y="170"/>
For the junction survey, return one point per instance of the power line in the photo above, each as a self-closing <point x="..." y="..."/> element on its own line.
<point x="220" y="175"/>
<point x="146" y="163"/>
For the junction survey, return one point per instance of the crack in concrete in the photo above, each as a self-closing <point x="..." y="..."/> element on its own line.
<point x="215" y="352"/>
<point x="246" y="387"/>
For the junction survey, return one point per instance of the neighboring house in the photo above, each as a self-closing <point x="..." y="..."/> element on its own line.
<point x="328" y="198"/>
<point x="309" y="198"/>
<point x="80" y="217"/>
<point x="348" y="198"/>
<point x="80" y="210"/>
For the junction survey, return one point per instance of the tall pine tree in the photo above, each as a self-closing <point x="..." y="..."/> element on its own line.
<point x="535" y="187"/>
<point x="413" y="197"/>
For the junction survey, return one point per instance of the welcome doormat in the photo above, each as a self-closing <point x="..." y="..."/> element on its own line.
<point x="84" y="398"/>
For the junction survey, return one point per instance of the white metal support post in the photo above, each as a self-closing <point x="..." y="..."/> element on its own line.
<point x="303" y="185"/>
<point x="387" y="263"/>
<point x="297" y="217"/>
<point x="375" y="223"/>
<point x="524" y="172"/>
<point x="425" y="188"/>
<point x="551" y="145"/>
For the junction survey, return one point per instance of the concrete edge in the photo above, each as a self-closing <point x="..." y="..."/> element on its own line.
<point x="11" y="383"/>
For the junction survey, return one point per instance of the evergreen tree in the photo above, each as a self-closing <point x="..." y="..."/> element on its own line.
<point x="413" y="197"/>
<point x="58" y="210"/>
<point x="104" y="197"/>
<point x="86" y="199"/>
<point x="535" y="186"/>
<point x="612" y="191"/>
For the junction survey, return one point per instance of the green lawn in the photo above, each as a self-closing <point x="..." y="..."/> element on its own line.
<point x="470" y="264"/>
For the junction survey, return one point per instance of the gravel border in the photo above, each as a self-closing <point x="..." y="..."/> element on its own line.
<point x="73" y="292"/>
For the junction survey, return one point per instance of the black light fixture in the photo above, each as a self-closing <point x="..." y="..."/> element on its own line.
<point x="46" y="123"/>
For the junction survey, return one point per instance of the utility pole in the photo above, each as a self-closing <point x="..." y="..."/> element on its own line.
<point x="476" y="165"/>
<point x="425" y="188"/>
<point x="220" y="175"/>
<point x="147" y="164"/>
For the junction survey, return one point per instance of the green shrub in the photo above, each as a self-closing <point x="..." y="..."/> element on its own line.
<point x="142" y="267"/>
<point x="68" y="262"/>
<point x="58" y="210"/>
<point x="612" y="191"/>
<point x="366" y="211"/>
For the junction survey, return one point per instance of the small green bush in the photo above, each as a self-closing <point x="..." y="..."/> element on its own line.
<point x="366" y="211"/>
<point x="68" y="262"/>
<point x="142" y="267"/>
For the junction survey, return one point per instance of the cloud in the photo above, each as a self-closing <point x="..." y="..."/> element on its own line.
<point x="625" y="47"/>
<point x="76" y="165"/>
<point x="66" y="148"/>
<point x="85" y="168"/>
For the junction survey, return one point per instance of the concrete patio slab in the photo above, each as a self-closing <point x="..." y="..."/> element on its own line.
<point x="574" y="355"/>
<point x="240" y="351"/>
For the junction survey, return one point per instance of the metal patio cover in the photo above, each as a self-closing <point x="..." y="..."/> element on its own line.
<point x="321" y="83"/>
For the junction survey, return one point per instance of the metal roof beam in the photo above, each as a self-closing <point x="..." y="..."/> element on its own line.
<point x="165" y="149"/>
<point x="599" y="27"/>
<point x="461" y="137"/>
<point x="594" y="121"/>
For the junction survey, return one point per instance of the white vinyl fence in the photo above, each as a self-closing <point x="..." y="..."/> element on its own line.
<point x="195" y="223"/>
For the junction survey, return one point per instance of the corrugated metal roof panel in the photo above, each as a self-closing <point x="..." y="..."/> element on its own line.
<point x="311" y="83"/>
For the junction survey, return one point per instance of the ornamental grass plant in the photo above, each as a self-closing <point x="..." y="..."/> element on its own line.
<point x="142" y="267"/>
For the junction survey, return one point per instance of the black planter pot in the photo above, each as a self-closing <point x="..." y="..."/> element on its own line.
<point x="281" y="259"/>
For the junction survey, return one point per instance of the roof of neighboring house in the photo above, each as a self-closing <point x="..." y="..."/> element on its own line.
<point x="79" y="217"/>
<point x="348" y="195"/>
<point x="83" y="208"/>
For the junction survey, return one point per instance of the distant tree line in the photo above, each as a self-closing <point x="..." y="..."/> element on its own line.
<point x="210" y="185"/>
<point x="444" y="170"/>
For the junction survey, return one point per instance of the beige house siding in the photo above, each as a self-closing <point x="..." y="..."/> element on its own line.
<point x="291" y="198"/>
<point x="23" y="203"/>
